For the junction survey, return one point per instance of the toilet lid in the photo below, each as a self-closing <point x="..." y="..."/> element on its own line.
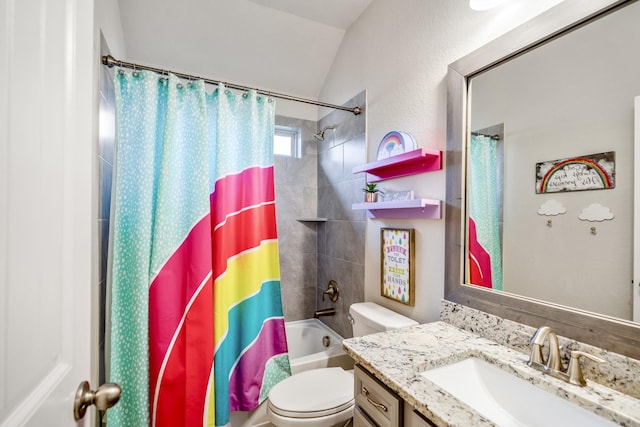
<point x="313" y="393"/>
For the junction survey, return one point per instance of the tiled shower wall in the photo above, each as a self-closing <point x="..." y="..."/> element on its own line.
<point x="320" y="184"/>
<point x="106" y="143"/>
<point x="341" y="238"/>
<point x="296" y="198"/>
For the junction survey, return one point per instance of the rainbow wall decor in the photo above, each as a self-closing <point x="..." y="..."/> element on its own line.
<point x="590" y="172"/>
<point x="395" y="143"/>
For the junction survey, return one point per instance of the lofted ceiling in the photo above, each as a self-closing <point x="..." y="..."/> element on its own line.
<point x="285" y="46"/>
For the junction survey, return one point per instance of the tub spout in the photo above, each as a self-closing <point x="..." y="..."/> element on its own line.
<point x="324" y="312"/>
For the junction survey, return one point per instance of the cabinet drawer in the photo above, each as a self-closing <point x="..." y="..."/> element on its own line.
<point x="414" y="419"/>
<point x="360" y="419"/>
<point x="382" y="405"/>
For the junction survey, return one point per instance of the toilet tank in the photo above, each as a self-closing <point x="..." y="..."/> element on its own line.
<point x="369" y="318"/>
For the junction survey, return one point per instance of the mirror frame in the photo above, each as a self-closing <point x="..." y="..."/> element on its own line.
<point x="612" y="334"/>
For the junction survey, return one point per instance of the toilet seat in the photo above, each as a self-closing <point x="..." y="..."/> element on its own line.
<point x="314" y="393"/>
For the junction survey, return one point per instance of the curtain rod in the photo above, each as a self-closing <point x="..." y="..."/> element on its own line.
<point x="110" y="62"/>
<point x="496" y="137"/>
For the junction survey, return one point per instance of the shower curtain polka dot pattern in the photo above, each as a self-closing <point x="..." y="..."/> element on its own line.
<point x="193" y="197"/>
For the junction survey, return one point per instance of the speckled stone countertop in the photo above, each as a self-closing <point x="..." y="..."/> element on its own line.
<point x="620" y="372"/>
<point x="397" y="358"/>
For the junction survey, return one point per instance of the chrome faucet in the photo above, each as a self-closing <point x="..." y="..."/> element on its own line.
<point x="553" y="365"/>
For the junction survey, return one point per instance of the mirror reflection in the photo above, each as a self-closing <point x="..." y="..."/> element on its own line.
<point x="571" y="98"/>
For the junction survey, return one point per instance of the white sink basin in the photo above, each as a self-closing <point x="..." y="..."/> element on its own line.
<point x="506" y="399"/>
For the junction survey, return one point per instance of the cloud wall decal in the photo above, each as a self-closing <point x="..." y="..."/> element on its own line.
<point x="596" y="212"/>
<point x="551" y="208"/>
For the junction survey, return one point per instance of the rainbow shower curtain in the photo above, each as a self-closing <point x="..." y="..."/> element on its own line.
<point x="250" y="343"/>
<point x="485" y="249"/>
<point x="197" y="328"/>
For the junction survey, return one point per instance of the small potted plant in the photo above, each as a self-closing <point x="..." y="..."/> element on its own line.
<point x="371" y="191"/>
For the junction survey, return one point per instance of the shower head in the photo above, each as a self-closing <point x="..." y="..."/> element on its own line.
<point x="320" y="135"/>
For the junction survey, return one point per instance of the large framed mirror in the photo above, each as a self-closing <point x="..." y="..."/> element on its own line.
<point x="549" y="90"/>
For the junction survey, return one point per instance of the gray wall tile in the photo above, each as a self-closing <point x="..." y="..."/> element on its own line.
<point x="106" y="143"/>
<point x="341" y="238"/>
<point x="296" y="183"/>
<point x="354" y="150"/>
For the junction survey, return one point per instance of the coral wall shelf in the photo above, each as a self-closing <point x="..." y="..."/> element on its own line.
<point x="410" y="163"/>
<point x="406" y="209"/>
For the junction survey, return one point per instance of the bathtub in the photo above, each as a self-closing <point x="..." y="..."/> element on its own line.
<point x="307" y="350"/>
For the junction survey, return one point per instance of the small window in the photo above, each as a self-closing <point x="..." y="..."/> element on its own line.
<point x="286" y="141"/>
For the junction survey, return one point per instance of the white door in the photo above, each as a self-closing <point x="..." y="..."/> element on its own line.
<point x="47" y="166"/>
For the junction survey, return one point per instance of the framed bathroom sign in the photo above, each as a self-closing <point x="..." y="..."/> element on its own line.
<point x="397" y="246"/>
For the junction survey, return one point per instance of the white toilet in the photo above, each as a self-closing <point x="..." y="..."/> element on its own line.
<point x="324" y="397"/>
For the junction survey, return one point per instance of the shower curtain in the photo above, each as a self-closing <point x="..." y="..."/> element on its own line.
<point x="197" y="328"/>
<point x="485" y="249"/>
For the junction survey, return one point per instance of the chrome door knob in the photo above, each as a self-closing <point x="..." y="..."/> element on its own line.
<point x="103" y="398"/>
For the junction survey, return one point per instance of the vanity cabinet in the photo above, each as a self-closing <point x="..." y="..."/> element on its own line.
<point x="375" y="402"/>
<point x="413" y="418"/>
<point x="361" y="419"/>
<point x="379" y="406"/>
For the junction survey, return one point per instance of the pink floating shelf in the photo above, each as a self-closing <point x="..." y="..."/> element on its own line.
<point x="410" y="163"/>
<point x="405" y="209"/>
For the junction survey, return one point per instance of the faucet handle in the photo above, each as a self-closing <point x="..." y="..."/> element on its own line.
<point x="332" y="291"/>
<point x="574" y="370"/>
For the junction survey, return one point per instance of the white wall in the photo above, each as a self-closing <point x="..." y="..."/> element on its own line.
<point x="107" y="20"/>
<point x="399" y="52"/>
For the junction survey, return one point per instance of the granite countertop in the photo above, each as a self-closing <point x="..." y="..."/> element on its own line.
<point x="397" y="358"/>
